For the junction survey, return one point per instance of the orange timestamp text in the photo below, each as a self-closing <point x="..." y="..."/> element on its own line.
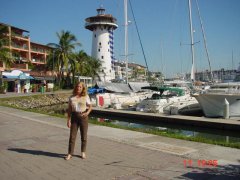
<point x="200" y="163"/>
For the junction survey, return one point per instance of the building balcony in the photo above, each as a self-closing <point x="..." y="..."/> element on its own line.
<point x="19" y="36"/>
<point x="37" y="60"/>
<point x="20" y="59"/>
<point x="19" y="66"/>
<point x="19" y="47"/>
<point x="37" y="50"/>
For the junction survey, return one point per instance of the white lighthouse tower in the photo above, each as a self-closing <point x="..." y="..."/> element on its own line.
<point x="102" y="27"/>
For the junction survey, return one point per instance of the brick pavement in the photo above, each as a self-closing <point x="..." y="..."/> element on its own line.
<point x="32" y="146"/>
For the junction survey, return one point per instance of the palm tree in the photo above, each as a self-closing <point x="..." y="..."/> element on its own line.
<point x="63" y="52"/>
<point x="74" y="66"/>
<point x="5" y="53"/>
<point x="87" y="66"/>
<point x="81" y="58"/>
<point x="95" y="67"/>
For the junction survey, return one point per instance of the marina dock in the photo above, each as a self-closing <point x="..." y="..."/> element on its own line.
<point x="232" y="124"/>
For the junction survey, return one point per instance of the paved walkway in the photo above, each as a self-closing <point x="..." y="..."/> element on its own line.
<point x="32" y="146"/>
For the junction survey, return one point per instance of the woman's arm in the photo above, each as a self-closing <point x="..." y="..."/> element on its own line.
<point x="89" y="109"/>
<point x="69" y="115"/>
<point x="89" y="106"/>
<point x="69" y="111"/>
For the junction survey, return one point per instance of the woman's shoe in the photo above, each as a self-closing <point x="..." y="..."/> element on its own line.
<point x="83" y="155"/>
<point x="68" y="157"/>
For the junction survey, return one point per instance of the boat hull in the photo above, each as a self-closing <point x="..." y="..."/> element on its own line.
<point x="213" y="104"/>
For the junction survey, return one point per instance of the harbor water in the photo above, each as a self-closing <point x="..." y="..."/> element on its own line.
<point x="213" y="135"/>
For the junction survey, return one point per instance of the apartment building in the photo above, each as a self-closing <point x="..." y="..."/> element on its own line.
<point x="29" y="59"/>
<point x="136" y="72"/>
<point x="221" y="75"/>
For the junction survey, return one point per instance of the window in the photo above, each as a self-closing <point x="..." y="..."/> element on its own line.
<point x="98" y="50"/>
<point x="102" y="57"/>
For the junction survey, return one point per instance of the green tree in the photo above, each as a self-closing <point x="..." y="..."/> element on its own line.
<point x="63" y="53"/>
<point x="87" y="66"/>
<point x="5" y="53"/>
<point x="95" y="66"/>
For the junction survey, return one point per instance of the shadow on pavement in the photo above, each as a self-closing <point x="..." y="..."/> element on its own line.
<point x="121" y="164"/>
<point x="37" y="152"/>
<point x="230" y="171"/>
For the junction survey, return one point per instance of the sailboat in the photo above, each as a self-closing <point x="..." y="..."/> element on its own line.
<point x="221" y="99"/>
<point x="173" y="97"/>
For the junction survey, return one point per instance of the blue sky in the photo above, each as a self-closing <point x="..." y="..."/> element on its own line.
<point x="163" y="25"/>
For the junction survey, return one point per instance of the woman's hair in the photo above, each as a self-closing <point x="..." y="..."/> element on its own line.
<point x="84" y="89"/>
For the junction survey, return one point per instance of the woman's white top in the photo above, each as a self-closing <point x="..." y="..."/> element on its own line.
<point x="79" y="104"/>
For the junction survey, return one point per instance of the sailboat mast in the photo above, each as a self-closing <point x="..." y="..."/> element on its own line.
<point x="192" y="42"/>
<point x="126" y="38"/>
<point x="205" y="42"/>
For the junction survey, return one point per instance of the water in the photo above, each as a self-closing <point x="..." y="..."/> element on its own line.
<point x="157" y="127"/>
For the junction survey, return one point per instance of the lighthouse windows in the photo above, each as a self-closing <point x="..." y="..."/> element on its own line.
<point x="100" y="43"/>
<point x="98" y="50"/>
<point x="102" y="57"/>
<point x="95" y="35"/>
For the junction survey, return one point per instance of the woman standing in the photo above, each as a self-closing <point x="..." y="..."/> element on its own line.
<point x="79" y="107"/>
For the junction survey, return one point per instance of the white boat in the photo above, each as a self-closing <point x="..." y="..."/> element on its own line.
<point x="119" y="95"/>
<point x="168" y="100"/>
<point x="214" y="100"/>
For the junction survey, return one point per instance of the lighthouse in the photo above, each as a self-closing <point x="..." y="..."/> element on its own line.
<point x="102" y="26"/>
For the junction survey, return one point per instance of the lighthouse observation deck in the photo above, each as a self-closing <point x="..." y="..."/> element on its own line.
<point x="102" y="19"/>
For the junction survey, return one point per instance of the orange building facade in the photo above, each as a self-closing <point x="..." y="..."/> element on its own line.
<point x="23" y="50"/>
<point x="30" y="58"/>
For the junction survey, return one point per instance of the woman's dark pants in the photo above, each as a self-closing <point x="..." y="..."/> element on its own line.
<point x="78" y="122"/>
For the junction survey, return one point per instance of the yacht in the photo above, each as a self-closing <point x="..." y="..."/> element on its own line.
<point x="214" y="100"/>
<point x="118" y="95"/>
<point x="168" y="99"/>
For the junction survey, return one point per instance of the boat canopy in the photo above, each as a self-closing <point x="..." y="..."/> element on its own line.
<point x="137" y="86"/>
<point x="114" y="87"/>
<point x="161" y="89"/>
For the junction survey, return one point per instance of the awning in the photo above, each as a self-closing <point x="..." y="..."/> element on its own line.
<point x="20" y="77"/>
<point x="23" y="76"/>
<point x="10" y="77"/>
